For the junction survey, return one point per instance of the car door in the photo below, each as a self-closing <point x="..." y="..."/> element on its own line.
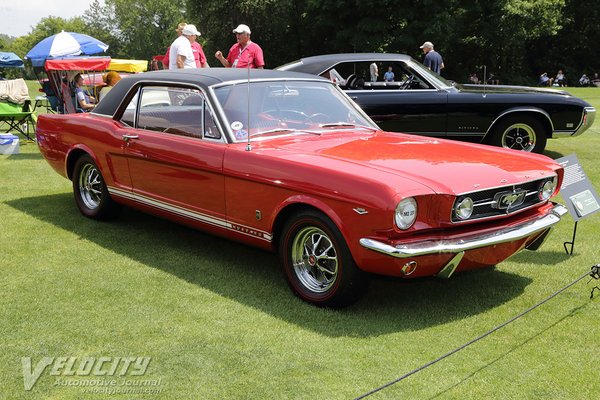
<point x="409" y="104"/>
<point x="175" y="154"/>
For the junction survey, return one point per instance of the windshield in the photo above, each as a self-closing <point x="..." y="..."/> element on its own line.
<point x="431" y="76"/>
<point x="287" y="107"/>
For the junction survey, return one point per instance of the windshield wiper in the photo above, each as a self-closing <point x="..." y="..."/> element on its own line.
<point x="343" y="124"/>
<point x="274" y="130"/>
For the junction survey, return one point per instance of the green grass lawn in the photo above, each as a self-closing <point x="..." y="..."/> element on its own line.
<point x="218" y="320"/>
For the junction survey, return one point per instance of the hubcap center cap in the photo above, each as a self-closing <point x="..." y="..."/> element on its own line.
<point x="312" y="260"/>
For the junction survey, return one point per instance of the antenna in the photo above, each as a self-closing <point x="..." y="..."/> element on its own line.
<point x="248" y="145"/>
<point x="484" y="79"/>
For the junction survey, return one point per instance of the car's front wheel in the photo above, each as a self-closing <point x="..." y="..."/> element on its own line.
<point x="317" y="262"/>
<point x="91" y="193"/>
<point x="522" y="132"/>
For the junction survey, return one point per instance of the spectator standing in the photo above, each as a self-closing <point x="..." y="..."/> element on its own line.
<point x="199" y="56"/>
<point x="244" y="53"/>
<point x="389" y="75"/>
<point x="179" y="31"/>
<point x="181" y="55"/>
<point x="374" y="71"/>
<point x="433" y="60"/>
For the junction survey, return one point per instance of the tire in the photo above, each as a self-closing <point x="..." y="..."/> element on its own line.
<point x="91" y="194"/>
<point x="317" y="262"/>
<point x="519" y="132"/>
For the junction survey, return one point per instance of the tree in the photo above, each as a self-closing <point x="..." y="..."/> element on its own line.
<point x="134" y="28"/>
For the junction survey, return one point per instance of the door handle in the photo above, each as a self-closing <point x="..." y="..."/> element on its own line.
<point x="127" y="138"/>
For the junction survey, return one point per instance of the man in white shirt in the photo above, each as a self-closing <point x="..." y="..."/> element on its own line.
<point x="180" y="54"/>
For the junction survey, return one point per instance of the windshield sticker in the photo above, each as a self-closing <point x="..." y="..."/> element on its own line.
<point x="240" y="134"/>
<point x="236" y="125"/>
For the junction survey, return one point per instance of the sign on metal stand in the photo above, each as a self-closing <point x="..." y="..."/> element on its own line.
<point x="579" y="194"/>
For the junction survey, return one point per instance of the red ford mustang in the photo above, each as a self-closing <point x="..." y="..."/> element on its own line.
<point x="287" y="162"/>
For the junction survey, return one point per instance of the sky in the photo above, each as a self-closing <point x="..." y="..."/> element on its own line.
<point x="19" y="16"/>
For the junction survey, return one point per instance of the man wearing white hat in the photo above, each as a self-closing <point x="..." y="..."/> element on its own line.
<point x="245" y="53"/>
<point x="181" y="55"/>
<point x="433" y="59"/>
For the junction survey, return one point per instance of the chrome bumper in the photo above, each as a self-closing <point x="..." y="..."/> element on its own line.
<point x="588" y="117"/>
<point x="460" y="245"/>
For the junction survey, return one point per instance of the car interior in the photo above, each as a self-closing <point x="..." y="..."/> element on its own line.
<point x="357" y="76"/>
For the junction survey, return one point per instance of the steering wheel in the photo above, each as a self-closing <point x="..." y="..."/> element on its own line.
<point x="351" y="81"/>
<point x="310" y="118"/>
<point x="407" y="83"/>
<point x="284" y="114"/>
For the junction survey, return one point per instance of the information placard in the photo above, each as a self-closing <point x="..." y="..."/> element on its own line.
<point x="577" y="190"/>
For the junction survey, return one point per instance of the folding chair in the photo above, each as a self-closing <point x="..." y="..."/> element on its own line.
<point x="18" y="118"/>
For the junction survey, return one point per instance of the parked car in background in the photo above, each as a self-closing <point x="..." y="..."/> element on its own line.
<point x="422" y="102"/>
<point x="287" y="162"/>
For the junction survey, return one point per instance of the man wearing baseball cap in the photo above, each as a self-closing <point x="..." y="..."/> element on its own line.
<point x="245" y="53"/>
<point x="181" y="54"/>
<point x="433" y="60"/>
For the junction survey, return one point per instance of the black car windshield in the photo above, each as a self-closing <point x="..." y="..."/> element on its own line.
<point x="436" y="79"/>
<point x="282" y="107"/>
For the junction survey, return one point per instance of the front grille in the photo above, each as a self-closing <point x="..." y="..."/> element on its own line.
<point x="494" y="202"/>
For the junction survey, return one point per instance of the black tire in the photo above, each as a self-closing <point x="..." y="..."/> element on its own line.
<point x="91" y="195"/>
<point x="323" y="273"/>
<point x="519" y="132"/>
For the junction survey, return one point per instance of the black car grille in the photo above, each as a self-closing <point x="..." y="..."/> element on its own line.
<point x="497" y="201"/>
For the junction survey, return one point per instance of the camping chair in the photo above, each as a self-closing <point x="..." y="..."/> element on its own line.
<point x="18" y="118"/>
<point x="68" y="97"/>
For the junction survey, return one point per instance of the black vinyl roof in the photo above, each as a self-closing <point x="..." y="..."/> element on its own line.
<point x="200" y="77"/>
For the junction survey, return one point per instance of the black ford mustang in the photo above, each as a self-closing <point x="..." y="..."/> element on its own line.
<point x="422" y="102"/>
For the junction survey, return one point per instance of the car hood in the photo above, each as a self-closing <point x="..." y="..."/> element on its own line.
<point x="444" y="166"/>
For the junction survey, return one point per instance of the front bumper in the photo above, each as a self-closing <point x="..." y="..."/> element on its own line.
<point x="456" y="246"/>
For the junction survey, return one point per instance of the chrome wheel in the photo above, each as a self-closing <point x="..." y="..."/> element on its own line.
<point x="90" y="186"/>
<point x="314" y="258"/>
<point x="519" y="137"/>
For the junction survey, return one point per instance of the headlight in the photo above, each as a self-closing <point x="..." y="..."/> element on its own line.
<point x="547" y="189"/>
<point x="406" y="213"/>
<point x="464" y="208"/>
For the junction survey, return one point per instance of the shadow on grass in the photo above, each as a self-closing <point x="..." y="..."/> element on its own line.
<point x="253" y="277"/>
<point x="541" y="257"/>
<point x="553" y="154"/>
<point x="25" y="156"/>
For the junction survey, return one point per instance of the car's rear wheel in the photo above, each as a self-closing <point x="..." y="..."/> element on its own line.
<point x="91" y="193"/>
<point x="317" y="262"/>
<point x="519" y="132"/>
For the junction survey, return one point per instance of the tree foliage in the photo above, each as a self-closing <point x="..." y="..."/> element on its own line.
<point x="516" y="39"/>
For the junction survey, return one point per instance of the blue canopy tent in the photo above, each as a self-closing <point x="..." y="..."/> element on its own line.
<point x="10" y="60"/>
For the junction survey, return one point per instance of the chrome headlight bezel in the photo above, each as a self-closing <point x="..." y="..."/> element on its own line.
<point x="547" y="189"/>
<point x="463" y="208"/>
<point x="406" y="213"/>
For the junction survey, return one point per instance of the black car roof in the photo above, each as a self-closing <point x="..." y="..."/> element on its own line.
<point x="201" y="77"/>
<point x="318" y="64"/>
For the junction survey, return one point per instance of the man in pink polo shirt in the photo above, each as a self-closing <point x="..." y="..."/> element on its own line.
<point x="245" y="53"/>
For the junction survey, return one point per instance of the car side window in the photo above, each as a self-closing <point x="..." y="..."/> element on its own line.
<point x="172" y="110"/>
<point x="357" y="76"/>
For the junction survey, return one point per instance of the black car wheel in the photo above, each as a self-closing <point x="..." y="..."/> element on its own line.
<point x="519" y="132"/>
<point x="91" y="194"/>
<point x="317" y="262"/>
